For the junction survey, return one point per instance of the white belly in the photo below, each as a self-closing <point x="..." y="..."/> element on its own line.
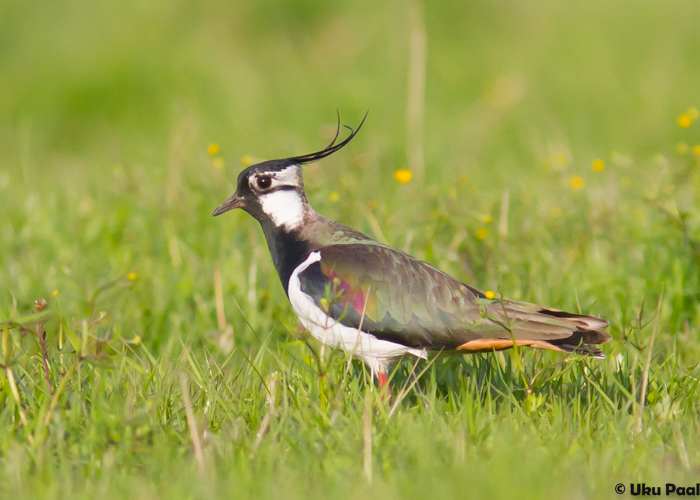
<point x="373" y="351"/>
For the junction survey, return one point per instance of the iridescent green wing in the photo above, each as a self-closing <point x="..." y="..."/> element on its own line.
<point x="399" y="298"/>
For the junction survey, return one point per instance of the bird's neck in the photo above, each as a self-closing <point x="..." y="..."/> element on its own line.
<point x="287" y="247"/>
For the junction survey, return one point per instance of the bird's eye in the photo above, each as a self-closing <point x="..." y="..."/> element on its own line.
<point x="264" y="182"/>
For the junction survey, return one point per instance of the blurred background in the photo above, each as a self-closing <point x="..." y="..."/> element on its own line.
<point x="517" y="145"/>
<point x="260" y="77"/>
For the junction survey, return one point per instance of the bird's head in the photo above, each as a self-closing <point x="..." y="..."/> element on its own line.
<point x="274" y="190"/>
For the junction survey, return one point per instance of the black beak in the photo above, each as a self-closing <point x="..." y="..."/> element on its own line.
<point x="234" y="201"/>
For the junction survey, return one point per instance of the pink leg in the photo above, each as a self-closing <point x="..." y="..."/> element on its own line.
<point x="384" y="387"/>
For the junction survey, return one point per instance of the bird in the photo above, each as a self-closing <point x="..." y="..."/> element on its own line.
<point x="379" y="303"/>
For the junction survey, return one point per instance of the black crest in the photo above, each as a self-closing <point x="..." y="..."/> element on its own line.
<point x="330" y="149"/>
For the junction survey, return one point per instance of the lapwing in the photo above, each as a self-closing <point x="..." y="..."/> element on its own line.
<point x="379" y="303"/>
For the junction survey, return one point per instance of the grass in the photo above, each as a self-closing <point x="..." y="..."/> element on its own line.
<point x="174" y="364"/>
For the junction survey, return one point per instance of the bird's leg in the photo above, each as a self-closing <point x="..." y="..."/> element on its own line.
<point x="384" y="387"/>
<point x="379" y="370"/>
<point x="383" y="380"/>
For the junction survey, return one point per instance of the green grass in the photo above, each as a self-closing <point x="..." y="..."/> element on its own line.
<point x="106" y="113"/>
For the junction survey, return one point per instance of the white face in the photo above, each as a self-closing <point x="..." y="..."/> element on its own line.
<point x="284" y="206"/>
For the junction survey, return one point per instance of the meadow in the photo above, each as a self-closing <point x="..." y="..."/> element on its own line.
<point x="547" y="151"/>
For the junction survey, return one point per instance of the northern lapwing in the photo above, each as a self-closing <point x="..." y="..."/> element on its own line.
<point x="380" y="303"/>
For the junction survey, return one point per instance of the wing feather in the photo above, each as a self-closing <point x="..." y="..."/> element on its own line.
<point x="415" y="304"/>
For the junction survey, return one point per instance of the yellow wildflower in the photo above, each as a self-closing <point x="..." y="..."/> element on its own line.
<point x="218" y="163"/>
<point x="685" y="120"/>
<point x="696" y="150"/>
<point x="489" y="295"/>
<point x="482" y="233"/>
<point x="132" y="276"/>
<point x="54" y="293"/>
<point x="598" y="165"/>
<point x="246" y="160"/>
<point x="403" y="176"/>
<point x="334" y="196"/>
<point x="487" y="219"/>
<point x="576" y="182"/>
<point x="213" y="149"/>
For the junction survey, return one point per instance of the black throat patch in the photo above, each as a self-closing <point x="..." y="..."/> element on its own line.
<point x="287" y="249"/>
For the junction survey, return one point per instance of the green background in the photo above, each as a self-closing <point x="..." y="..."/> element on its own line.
<point x="107" y="111"/>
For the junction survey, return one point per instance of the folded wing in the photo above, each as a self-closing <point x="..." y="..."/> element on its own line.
<point x="399" y="298"/>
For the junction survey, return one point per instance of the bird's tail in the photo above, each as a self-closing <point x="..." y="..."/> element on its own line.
<point x="531" y="325"/>
<point x="582" y="342"/>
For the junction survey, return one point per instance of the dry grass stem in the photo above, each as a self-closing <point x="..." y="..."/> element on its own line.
<point x="367" y="439"/>
<point x="192" y="424"/>
<point x="271" y="410"/>
<point x="647" y="365"/>
<point x="416" y="90"/>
